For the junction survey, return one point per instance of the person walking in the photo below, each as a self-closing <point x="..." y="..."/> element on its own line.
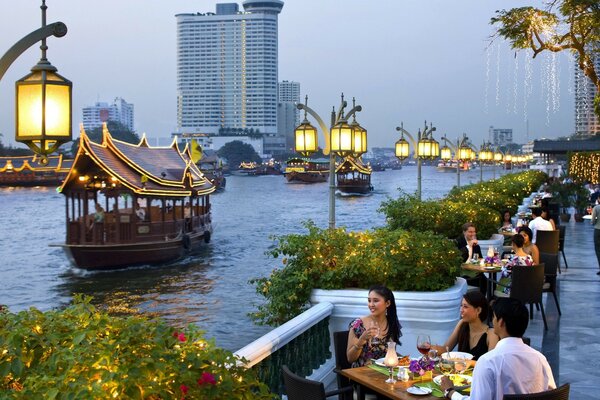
<point x="596" y="224"/>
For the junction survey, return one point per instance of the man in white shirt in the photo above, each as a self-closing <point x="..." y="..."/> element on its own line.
<point x="511" y="367"/>
<point x="538" y="223"/>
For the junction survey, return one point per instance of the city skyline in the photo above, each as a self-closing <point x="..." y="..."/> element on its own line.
<point x="403" y="61"/>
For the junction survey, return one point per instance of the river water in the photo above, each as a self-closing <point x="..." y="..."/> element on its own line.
<point x="210" y="290"/>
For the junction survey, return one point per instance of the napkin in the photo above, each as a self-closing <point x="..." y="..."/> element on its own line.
<point x="435" y="389"/>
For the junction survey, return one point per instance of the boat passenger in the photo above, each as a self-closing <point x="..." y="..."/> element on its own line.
<point x="472" y="334"/>
<point x="528" y="247"/>
<point x="368" y="336"/>
<point x="140" y="212"/>
<point x="97" y="217"/>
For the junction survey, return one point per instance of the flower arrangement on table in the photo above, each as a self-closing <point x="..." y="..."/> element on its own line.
<point x="494" y="260"/>
<point x="421" y="366"/>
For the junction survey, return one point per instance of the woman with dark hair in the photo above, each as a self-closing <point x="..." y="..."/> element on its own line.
<point x="529" y="247"/>
<point x="506" y="221"/>
<point x="519" y="258"/>
<point x="368" y="336"/>
<point x="546" y="215"/>
<point x="471" y="332"/>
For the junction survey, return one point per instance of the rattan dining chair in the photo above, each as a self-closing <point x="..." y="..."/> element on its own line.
<point x="340" y="346"/>
<point x="561" y="243"/>
<point x="551" y="262"/>
<point x="548" y="242"/>
<point x="561" y="393"/>
<point x="298" y="388"/>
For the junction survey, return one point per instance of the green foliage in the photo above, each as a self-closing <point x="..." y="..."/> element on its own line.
<point x="336" y="259"/>
<point x="83" y="353"/>
<point x="445" y="217"/>
<point x="9" y="151"/>
<point x="237" y="151"/>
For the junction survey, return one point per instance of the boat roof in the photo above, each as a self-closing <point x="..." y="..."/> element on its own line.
<point x="19" y="163"/>
<point x="353" y="164"/>
<point x="311" y="160"/>
<point x="145" y="170"/>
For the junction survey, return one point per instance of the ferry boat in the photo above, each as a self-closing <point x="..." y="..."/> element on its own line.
<point x="212" y="168"/>
<point x="152" y="204"/>
<point x="450" y="166"/>
<point x="26" y="171"/>
<point x="353" y="177"/>
<point x="305" y="170"/>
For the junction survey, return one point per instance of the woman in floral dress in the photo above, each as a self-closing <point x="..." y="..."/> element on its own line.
<point x="368" y="335"/>
<point x="519" y="258"/>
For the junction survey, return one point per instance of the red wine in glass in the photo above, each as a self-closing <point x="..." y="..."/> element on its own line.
<point x="424" y="349"/>
<point x="423" y="344"/>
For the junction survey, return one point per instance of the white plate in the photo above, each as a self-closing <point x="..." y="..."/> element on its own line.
<point x="380" y="362"/>
<point x="438" y="379"/>
<point x="458" y="354"/>
<point x="419" y="391"/>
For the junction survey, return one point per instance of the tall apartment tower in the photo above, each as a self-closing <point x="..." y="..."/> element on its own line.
<point x="119" y="111"/>
<point x="586" y="121"/>
<point x="288" y="116"/>
<point x="227" y="68"/>
<point x="500" y="137"/>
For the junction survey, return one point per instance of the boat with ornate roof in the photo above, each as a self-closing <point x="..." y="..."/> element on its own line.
<point x="306" y="170"/>
<point x="156" y="201"/>
<point x="353" y="177"/>
<point x="451" y="165"/>
<point x="28" y="171"/>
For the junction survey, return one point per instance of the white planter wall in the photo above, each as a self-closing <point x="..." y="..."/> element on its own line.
<point x="433" y="313"/>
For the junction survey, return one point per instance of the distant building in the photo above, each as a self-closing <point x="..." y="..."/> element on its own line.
<point x="500" y="137"/>
<point x="288" y="116"/>
<point x="227" y="68"/>
<point x="119" y="111"/>
<point x="586" y="121"/>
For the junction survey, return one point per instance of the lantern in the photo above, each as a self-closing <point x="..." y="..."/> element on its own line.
<point x="402" y="148"/>
<point x="446" y="153"/>
<point x="360" y="139"/>
<point x="306" y="138"/>
<point x="342" y="139"/>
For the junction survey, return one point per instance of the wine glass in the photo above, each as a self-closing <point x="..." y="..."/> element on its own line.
<point x="375" y="339"/>
<point x="446" y="365"/>
<point x="460" y="366"/>
<point x="423" y="344"/>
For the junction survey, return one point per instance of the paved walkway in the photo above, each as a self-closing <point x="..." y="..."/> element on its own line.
<point x="572" y="342"/>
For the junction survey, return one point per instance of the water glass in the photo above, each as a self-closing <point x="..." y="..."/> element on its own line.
<point x="460" y="366"/>
<point x="375" y="339"/>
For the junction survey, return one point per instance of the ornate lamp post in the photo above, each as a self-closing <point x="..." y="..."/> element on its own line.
<point x="498" y="157"/>
<point x="43" y="98"/>
<point x="462" y="152"/>
<point x="341" y="139"/>
<point x="485" y="155"/>
<point x="426" y="147"/>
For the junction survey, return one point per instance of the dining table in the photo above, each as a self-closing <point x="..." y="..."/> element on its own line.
<point x="490" y="270"/>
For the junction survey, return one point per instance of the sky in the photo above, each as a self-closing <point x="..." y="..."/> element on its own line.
<point x="405" y="61"/>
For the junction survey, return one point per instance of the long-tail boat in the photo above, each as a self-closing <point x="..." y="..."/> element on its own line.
<point x="353" y="177"/>
<point x="151" y="204"/>
<point x="27" y="171"/>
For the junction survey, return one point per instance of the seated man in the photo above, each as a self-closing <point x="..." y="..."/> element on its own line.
<point x="512" y="367"/>
<point x="140" y="212"/>
<point x="467" y="243"/>
<point x="538" y="223"/>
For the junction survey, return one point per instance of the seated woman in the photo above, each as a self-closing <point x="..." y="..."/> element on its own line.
<point x="519" y="258"/>
<point x="546" y="215"/>
<point x="368" y="336"/>
<point x="471" y="333"/>
<point x="506" y="222"/>
<point x="529" y="247"/>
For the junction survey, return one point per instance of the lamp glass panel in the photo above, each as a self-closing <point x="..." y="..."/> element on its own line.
<point x="446" y="153"/>
<point x="29" y="110"/>
<point x="360" y="140"/>
<point x="508" y="158"/>
<point x="498" y="157"/>
<point x="402" y="149"/>
<point x="435" y="150"/>
<point x="306" y="138"/>
<point x="58" y="110"/>
<point x="464" y="153"/>
<point x="342" y="140"/>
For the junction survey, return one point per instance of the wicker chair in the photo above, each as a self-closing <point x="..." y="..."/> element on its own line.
<point x="298" y="388"/>
<point x="340" y="345"/>
<point x="561" y="393"/>
<point x="561" y="243"/>
<point x="548" y="242"/>
<point x="551" y="262"/>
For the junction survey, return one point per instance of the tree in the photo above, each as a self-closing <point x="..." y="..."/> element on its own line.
<point x="572" y="25"/>
<point x="9" y="151"/>
<point x="237" y="151"/>
<point x="117" y="131"/>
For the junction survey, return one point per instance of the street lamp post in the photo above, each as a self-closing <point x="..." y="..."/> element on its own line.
<point x="462" y="152"/>
<point x="341" y="139"/>
<point x="424" y="147"/>
<point x="43" y="98"/>
<point x="498" y="157"/>
<point x="485" y="155"/>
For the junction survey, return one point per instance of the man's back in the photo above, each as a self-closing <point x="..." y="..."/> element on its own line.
<point x="539" y="224"/>
<point x="511" y="368"/>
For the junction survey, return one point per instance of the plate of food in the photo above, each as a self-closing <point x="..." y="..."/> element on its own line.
<point x="457" y="355"/>
<point x="403" y="361"/>
<point x="419" y="391"/>
<point x="457" y="380"/>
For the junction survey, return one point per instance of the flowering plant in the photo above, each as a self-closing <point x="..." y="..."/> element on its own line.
<point x="421" y="365"/>
<point x="492" y="260"/>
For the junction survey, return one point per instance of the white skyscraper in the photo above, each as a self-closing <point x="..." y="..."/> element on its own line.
<point x="288" y="116"/>
<point x="586" y="121"/>
<point x="500" y="137"/>
<point x="227" y="68"/>
<point x="119" y="111"/>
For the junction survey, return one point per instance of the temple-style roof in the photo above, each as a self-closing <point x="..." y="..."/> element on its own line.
<point x="351" y="164"/>
<point x="145" y="170"/>
<point x="20" y="163"/>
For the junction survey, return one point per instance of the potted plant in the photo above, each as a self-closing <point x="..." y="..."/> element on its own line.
<point x="581" y="201"/>
<point x="562" y="193"/>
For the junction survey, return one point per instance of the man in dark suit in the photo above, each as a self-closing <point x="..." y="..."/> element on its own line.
<point x="467" y="243"/>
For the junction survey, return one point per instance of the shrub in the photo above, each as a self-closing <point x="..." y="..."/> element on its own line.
<point x="83" y="353"/>
<point x="337" y="259"/>
<point x="444" y="217"/>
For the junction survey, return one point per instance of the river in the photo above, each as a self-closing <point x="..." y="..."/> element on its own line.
<point x="211" y="290"/>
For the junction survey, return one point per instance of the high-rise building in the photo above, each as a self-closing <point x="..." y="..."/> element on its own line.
<point x="500" y="137"/>
<point x="119" y="111"/>
<point x="586" y="121"/>
<point x="288" y="116"/>
<point x="227" y="68"/>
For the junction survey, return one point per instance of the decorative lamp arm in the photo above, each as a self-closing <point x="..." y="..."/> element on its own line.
<point x="322" y="125"/>
<point x="410" y="137"/>
<point x="449" y="143"/>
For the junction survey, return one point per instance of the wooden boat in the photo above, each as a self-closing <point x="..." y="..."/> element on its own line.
<point x="353" y="177"/>
<point x="245" y="169"/>
<point x="450" y="166"/>
<point x="305" y="170"/>
<point x="26" y="171"/>
<point x="212" y="168"/>
<point x="158" y="202"/>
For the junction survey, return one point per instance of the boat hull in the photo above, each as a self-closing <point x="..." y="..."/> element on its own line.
<point x="116" y="256"/>
<point x="355" y="189"/>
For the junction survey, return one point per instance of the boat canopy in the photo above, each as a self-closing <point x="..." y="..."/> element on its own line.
<point x="351" y="164"/>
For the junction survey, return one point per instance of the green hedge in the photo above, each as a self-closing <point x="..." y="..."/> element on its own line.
<point x="334" y="259"/>
<point x="82" y="353"/>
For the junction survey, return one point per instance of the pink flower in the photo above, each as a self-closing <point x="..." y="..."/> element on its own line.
<point x="207" y="377"/>
<point x="184" y="389"/>
<point x="181" y="337"/>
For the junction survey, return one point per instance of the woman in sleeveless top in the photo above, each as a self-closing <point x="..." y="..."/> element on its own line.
<point x="528" y="247"/>
<point x="471" y="334"/>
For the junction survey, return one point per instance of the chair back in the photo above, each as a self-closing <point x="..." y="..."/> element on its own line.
<point x="550" y="260"/>
<point x="561" y="237"/>
<point x="527" y="283"/>
<point x="298" y="388"/>
<point x="561" y="393"/>
<point x="340" y="346"/>
<point x="547" y="241"/>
